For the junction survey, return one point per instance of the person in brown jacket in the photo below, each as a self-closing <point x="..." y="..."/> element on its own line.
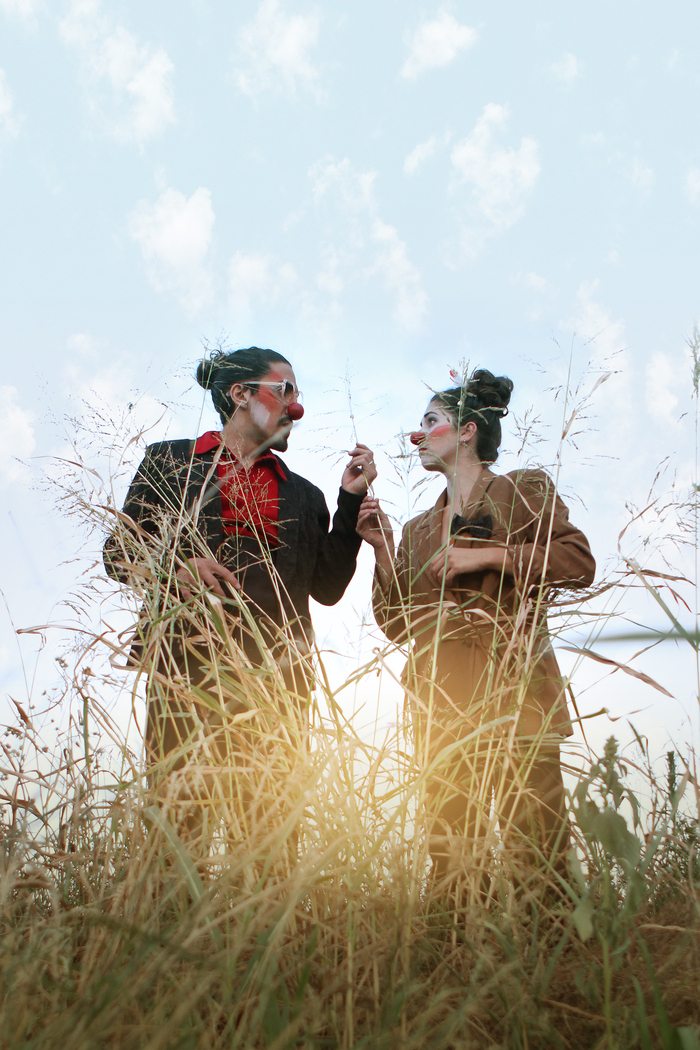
<point x="467" y="594"/>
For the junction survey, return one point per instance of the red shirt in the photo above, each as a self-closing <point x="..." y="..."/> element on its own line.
<point x="249" y="498"/>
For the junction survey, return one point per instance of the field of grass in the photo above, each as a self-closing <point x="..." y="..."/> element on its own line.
<point x="277" y="893"/>
<point x="304" y="916"/>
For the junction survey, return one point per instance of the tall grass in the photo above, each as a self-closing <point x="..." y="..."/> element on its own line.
<point x="272" y="887"/>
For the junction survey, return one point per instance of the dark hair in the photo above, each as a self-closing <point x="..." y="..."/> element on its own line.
<point x="221" y="370"/>
<point x="483" y="400"/>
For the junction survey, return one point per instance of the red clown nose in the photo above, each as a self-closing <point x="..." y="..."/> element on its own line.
<point x="417" y="438"/>
<point x="295" y="411"/>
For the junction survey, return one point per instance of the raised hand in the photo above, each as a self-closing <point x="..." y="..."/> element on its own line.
<point x="360" y="471"/>
<point x="374" y="526"/>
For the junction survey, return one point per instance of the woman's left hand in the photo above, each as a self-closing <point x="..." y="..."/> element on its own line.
<point x="452" y="561"/>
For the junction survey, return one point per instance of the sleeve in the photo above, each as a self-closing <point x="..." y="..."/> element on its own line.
<point x="137" y="539"/>
<point x="336" y="557"/>
<point x="391" y="599"/>
<point x="546" y="549"/>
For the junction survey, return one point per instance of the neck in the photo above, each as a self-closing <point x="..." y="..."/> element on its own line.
<point x="244" y="447"/>
<point x="461" y="479"/>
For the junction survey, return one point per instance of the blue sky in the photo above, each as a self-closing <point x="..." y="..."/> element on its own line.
<point x="380" y="191"/>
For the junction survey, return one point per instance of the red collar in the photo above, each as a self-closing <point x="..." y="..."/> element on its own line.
<point x="212" y="439"/>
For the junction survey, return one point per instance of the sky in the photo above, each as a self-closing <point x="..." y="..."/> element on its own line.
<point x="380" y="191"/>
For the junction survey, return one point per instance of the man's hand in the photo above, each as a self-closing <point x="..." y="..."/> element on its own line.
<point x="453" y="561"/>
<point x="360" y="471"/>
<point x="205" y="572"/>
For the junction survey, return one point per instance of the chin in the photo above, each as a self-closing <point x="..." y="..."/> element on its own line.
<point x="280" y="443"/>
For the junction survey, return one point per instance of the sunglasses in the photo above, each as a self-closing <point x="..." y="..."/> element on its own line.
<point x="284" y="388"/>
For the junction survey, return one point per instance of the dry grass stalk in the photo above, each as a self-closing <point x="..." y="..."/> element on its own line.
<point x="266" y="884"/>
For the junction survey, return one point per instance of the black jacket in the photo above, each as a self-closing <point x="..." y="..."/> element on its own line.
<point x="175" y="499"/>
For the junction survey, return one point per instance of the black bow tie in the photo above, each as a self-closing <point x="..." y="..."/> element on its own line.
<point x="480" y="528"/>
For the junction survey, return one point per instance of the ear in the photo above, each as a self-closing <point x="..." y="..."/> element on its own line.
<point x="468" y="432"/>
<point x="240" y="395"/>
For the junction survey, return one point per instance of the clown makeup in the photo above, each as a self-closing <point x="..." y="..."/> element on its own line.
<point x="267" y="413"/>
<point x="437" y="439"/>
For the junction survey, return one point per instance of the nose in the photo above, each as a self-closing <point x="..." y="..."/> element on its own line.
<point x="417" y="438"/>
<point x="295" y="411"/>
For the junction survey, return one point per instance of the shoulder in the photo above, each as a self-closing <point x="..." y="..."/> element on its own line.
<point x="178" y="450"/>
<point x="520" y="495"/>
<point x="528" y="480"/>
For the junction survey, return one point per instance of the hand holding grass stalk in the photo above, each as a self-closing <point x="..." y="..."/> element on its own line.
<point x="205" y="572"/>
<point x="360" y="471"/>
<point x="373" y="525"/>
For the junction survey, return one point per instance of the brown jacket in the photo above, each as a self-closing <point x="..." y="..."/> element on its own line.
<point x="483" y="641"/>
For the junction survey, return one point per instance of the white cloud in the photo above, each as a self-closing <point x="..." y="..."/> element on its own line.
<point x="400" y="276"/>
<point x="370" y="246"/>
<point x="596" y="138"/>
<point x="662" y="374"/>
<point x="642" y="178"/>
<point x="329" y="278"/>
<point x="566" y="69"/>
<point x="534" y="282"/>
<point x="692" y="185"/>
<point x="356" y="188"/>
<point x="174" y="235"/>
<point x="435" y="44"/>
<point x="140" y="103"/>
<point x="105" y="388"/>
<point x="22" y="9"/>
<point x="273" y="50"/>
<point x="594" y="323"/>
<point x="544" y="290"/>
<point x="598" y="345"/>
<point x="17" y="439"/>
<point x="422" y="152"/>
<point x="501" y="177"/>
<point x="259" y="278"/>
<point x="8" y="122"/>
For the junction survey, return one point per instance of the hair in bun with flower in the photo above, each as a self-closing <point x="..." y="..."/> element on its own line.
<point x="483" y="398"/>
<point x="220" y="370"/>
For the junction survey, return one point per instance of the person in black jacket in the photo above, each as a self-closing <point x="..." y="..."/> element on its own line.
<point x="224" y="515"/>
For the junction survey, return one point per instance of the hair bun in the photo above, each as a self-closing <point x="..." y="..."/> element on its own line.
<point x="493" y="391"/>
<point x="206" y="372"/>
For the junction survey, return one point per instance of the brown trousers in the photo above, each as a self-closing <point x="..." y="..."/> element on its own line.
<point x="520" y="788"/>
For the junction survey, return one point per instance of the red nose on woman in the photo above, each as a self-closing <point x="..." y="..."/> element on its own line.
<point x="417" y="438"/>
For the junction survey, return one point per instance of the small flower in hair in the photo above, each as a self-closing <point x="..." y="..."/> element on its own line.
<point x="455" y="376"/>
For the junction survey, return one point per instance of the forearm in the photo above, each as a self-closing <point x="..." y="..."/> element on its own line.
<point x="499" y="559"/>
<point x="384" y="561"/>
<point x="336" y="554"/>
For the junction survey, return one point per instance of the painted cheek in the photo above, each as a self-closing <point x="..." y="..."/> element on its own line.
<point x="260" y="414"/>
<point x="267" y="398"/>
<point x="445" y="428"/>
